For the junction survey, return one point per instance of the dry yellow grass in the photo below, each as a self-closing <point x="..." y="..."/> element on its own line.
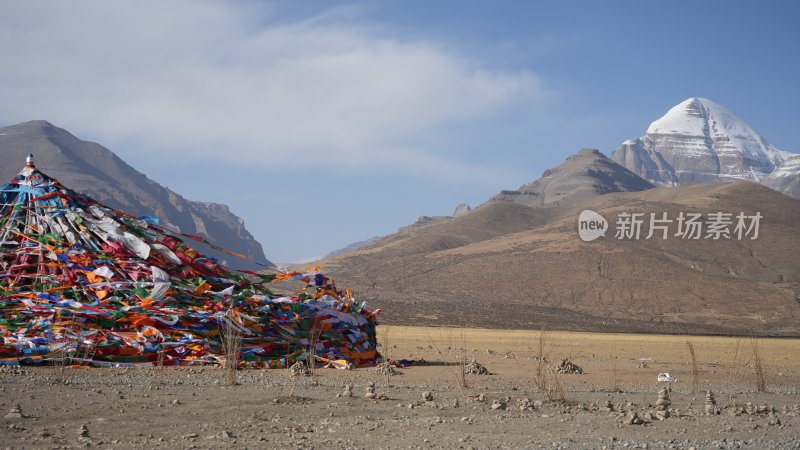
<point x="509" y="354"/>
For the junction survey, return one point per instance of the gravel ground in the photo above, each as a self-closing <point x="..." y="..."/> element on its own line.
<point x="194" y="407"/>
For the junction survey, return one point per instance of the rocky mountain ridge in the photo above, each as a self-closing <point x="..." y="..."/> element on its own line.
<point x="586" y="174"/>
<point x="90" y="168"/>
<point x="786" y="177"/>
<point x="507" y="265"/>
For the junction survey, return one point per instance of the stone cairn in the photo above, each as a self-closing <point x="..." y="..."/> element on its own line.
<point x="662" y="405"/>
<point x="526" y="404"/>
<point x="567" y="366"/>
<point x="348" y="391"/>
<point x="711" y="404"/>
<point x="385" y="368"/>
<point x="475" y="368"/>
<point x="370" y="391"/>
<point x="299" y="369"/>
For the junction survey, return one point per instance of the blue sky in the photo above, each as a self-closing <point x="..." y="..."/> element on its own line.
<point x="323" y="123"/>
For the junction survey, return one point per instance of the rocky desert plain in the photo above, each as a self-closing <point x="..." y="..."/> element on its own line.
<point x="522" y="402"/>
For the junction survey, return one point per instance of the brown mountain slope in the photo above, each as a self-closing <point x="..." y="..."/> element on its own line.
<point x="92" y="169"/>
<point x="528" y="268"/>
<point x="586" y="174"/>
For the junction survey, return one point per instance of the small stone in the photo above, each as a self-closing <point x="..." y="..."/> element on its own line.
<point x="498" y="405"/>
<point x="83" y="431"/>
<point x="176" y="402"/>
<point x="427" y="396"/>
<point x="15" y="413"/>
<point x="633" y="419"/>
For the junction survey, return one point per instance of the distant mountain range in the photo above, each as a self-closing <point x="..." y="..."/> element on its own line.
<point x="94" y="170"/>
<point x="517" y="260"/>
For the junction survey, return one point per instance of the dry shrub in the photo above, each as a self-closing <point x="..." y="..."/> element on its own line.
<point x="740" y="367"/>
<point x="547" y="383"/>
<point x="231" y="340"/>
<point x="385" y="349"/>
<point x="157" y="371"/>
<point x="695" y="371"/>
<point x="462" y="362"/>
<point x="758" y="367"/>
<point x="161" y="353"/>
<point x="543" y="347"/>
<point x="735" y="374"/>
<point x="60" y="358"/>
<point x="311" y="353"/>
<point x="455" y="368"/>
<point x="554" y="392"/>
<point x="614" y="382"/>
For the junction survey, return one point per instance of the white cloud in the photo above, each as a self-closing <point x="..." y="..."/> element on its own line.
<point x="227" y="80"/>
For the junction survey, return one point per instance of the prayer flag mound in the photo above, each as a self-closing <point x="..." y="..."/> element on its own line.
<point x="101" y="287"/>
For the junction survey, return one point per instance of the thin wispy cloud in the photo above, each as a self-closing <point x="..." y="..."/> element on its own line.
<point x="215" y="80"/>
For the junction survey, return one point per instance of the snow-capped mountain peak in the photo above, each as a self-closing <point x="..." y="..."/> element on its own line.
<point x="704" y="118"/>
<point x="699" y="140"/>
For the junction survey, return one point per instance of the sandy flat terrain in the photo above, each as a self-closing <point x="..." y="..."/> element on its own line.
<point x="193" y="407"/>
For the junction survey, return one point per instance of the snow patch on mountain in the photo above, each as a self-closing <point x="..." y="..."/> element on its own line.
<point x="790" y="168"/>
